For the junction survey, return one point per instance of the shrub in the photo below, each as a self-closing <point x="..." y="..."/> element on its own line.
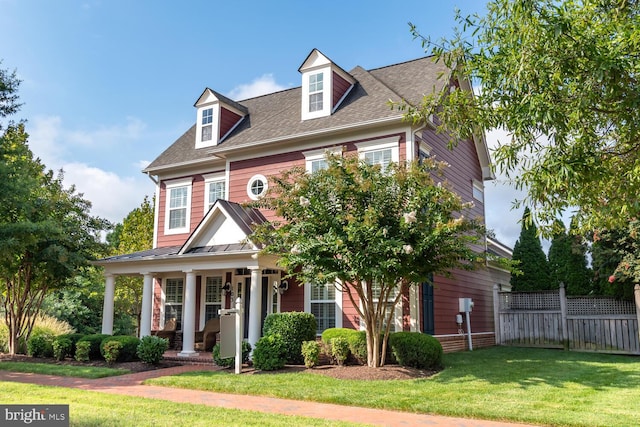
<point x="50" y="325"/>
<point x="357" y="344"/>
<point x="74" y="338"/>
<point x="83" y="351"/>
<point x="94" y="341"/>
<point x="231" y="361"/>
<point x="340" y="349"/>
<point x="270" y="353"/>
<point x="40" y="346"/>
<point x="62" y="347"/>
<point x="311" y="353"/>
<point x="416" y="350"/>
<point x="128" y="352"/>
<point x="4" y="338"/>
<point x="111" y="350"/>
<point x="151" y="349"/>
<point x="294" y="328"/>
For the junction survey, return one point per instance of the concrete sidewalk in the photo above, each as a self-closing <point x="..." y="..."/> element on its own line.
<point x="131" y="385"/>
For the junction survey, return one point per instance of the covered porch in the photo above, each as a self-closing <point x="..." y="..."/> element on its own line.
<point x="187" y="285"/>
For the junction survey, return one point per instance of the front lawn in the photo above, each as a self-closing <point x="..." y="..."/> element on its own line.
<point x="537" y="386"/>
<point x="62" y="370"/>
<point x="89" y="409"/>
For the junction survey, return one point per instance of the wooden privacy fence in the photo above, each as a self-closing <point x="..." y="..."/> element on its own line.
<point x="553" y="320"/>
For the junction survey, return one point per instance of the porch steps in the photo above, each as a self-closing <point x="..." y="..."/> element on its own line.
<point x="203" y="358"/>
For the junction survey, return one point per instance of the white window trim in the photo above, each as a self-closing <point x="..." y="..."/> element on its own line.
<point x="163" y="297"/>
<point x="168" y="186"/>
<point x="208" y="180"/>
<point x="215" y="125"/>
<point x="327" y="90"/>
<point x="251" y="181"/>
<point x="203" y="296"/>
<point x="338" y="296"/>
<point x="313" y="155"/>
<point x="380" y="144"/>
<point x="397" y="314"/>
<point x="477" y="186"/>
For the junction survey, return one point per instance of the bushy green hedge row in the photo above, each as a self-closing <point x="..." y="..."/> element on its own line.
<point x="294" y="328"/>
<point x="413" y="349"/>
<point x="129" y="349"/>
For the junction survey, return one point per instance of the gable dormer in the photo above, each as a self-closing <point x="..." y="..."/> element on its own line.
<point x="217" y="116"/>
<point x="324" y="85"/>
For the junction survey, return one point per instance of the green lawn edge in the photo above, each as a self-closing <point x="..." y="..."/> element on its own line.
<point x="90" y="372"/>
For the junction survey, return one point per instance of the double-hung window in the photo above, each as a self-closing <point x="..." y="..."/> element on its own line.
<point x="316" y="160"/>
<point x="212" y="297"/>
<point x="178" y="204"/>
<point x="215" y="188"/>
<point x="325" y="303"/>
<point x="207" y="126"/>
<point x="316" y="86"/>
<point x="173" y="291"/>
<point x="380" y="152"/>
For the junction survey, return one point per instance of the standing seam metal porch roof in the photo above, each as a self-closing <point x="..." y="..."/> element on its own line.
<point x="278" y="115"/>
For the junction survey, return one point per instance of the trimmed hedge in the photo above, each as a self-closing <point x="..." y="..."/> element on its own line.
<point x="94" y="340"/>
<point x="129" y="350"/>
<point x="151" y="349"/>
<point x="40" y="346"/>
<point x="73" y="338"/>
<point x="416" y="350"/>
<point x="357" y="344"/>
<point x="294" y="328"/>
<point x="270" y="353"/>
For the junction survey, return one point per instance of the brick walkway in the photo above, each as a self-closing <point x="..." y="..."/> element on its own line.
<point x="131" y="385"/>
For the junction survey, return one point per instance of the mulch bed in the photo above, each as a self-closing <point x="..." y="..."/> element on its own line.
<point x="347" y="372"/>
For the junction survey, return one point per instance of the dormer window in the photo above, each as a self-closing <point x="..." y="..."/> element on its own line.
<point x="324" y="86"/>
<point x="217" y="117"/>
<point x="207" y="127"/>
<point x="315" y="92"/>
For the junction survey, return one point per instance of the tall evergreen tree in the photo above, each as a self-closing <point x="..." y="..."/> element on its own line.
<point x="533" y="262"/>
<point x="568" y="263"/>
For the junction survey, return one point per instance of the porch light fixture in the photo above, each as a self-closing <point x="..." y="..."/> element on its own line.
<point x="284" y="285"/>
<point x="226" y="288"/>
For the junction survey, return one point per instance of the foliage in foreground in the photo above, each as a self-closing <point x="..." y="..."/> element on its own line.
<point x="561" y="78"/>
<point x="371" y="233"/>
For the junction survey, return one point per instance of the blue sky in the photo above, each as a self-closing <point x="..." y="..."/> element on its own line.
<point x="107" y="85"/>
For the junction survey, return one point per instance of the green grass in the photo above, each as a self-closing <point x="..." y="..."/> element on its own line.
<point x="62" y="370"/>
<point x="88" y="408"/>
<point x="537" y="386"/>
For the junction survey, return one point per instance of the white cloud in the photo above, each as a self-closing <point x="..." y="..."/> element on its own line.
<point x="112" y="194"/>
<point x="260" y="86"/>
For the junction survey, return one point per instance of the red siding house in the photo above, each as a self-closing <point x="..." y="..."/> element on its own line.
<point x="203" y="258"/>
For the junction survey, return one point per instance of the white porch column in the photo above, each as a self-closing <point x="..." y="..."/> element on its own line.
<point x="147" y="305"/>
<point x="255" y="307"/>
<point x="189" y="316"/>
<point x="107" y="308"/>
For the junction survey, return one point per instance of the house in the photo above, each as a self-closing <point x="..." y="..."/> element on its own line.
<point x="203" y="258"/>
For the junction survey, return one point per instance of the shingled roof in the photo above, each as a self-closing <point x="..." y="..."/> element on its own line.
<point x="276" y="116"/>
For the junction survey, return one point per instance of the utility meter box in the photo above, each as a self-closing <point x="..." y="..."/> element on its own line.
<point x="466" y="305"/>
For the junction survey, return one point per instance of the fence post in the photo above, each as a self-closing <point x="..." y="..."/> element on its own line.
<point x="563" y="315"/>
<point x="636" y="293"/>
<point x="496" y="314"/>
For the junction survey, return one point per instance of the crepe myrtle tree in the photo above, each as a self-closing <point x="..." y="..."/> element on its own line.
<point x="371" y="232"/>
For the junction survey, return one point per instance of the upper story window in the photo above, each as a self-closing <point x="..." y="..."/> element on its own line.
<point x="380" y="152"/>
<point x="178" y="207"/>
<point x="257" y="187"/>
<point x="478" y="190"/>
<point x="215" y="188"/>
<point x="207" y="127"/>
<point x="315" y="92"/>
<point x="317" y="159"/>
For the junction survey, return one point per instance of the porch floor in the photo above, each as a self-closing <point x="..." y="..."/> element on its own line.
<point x="203" y="358"/>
